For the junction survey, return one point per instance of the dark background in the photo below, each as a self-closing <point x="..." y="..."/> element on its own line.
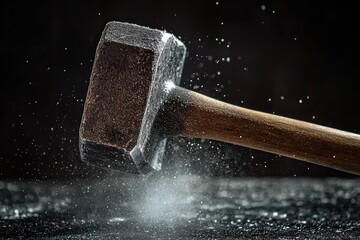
<point x="286" y="51"/>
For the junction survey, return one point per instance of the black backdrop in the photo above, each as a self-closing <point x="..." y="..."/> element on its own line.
<point x="294" y="58"/>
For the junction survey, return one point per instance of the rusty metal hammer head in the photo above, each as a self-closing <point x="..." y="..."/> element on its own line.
<point x="132" y="65"/>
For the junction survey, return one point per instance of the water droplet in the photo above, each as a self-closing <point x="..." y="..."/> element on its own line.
<point x="117" y="219"/>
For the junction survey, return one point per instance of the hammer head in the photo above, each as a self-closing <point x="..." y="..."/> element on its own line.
<point x="131" y="68"/>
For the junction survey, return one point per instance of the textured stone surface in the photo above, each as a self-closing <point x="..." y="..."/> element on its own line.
<point x="182" y="208"/>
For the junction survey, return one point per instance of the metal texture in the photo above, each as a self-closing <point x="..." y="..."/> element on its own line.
<point x="126" y="90"/>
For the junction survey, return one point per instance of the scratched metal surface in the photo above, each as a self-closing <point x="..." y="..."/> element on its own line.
<point x="182" y="208"/>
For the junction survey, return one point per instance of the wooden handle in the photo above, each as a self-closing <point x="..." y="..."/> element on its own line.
<point x="199" y="116"/>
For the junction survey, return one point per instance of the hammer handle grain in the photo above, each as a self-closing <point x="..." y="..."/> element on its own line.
<point x="204" y="117"/>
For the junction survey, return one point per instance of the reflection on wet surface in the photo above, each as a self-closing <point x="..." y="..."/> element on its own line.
<point x="182" y="208"/>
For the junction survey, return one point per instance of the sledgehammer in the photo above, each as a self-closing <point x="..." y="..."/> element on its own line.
<point x="134" y="103"/>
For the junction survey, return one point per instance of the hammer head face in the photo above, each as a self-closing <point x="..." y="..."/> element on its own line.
<point x="131" y="68"/>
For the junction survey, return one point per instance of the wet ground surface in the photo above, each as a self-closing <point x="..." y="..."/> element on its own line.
<point x="182" y="208"/>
